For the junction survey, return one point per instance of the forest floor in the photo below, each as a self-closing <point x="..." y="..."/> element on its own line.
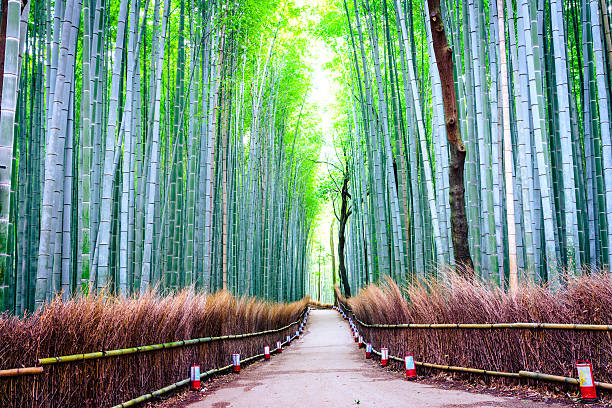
<point x="325" y="369"/>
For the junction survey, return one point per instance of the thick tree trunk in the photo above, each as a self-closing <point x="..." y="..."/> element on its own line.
<point x="444" y="57"/>
<point x="344" y="215"/>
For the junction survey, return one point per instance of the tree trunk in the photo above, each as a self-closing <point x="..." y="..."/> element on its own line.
<point x="319" y="278"/>
<point x="444" y="57"/>
<point x="333" y="254"/>
<point x="344" y="215"/>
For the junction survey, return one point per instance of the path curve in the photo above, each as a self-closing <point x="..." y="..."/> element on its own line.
<point x="325" y="369"/>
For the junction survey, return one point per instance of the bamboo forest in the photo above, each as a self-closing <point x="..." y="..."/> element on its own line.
<point x="158" y="144"/>
<point x="185" y="182"/>
<point x="169" y="144"/>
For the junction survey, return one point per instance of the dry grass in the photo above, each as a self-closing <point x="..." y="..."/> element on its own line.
<point x="319" y="305"/>
<point x="586" y="299"/>
<point x="96" y="323"/>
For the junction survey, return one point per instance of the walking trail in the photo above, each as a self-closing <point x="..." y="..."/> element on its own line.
<point x="325" y="369"/>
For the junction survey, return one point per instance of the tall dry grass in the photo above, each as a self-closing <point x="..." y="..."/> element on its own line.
<point x="586" y="299"/>
<point x="320" y="305"/>
<point x="97" y="323"/>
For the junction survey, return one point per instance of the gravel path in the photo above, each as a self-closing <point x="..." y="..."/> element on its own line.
<point x="325" y="369"/>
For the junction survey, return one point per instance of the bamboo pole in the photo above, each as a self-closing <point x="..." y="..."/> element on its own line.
<point x="545" y="326"/>
<point x="181" y="383"/>
<point x="558" y="378"/>
<point x="518" y="325"/>
<point x="153" y="347"/>
<point x="15" y="372"/>
<point x="520" y="374"/>
<point x="157" y="393"/>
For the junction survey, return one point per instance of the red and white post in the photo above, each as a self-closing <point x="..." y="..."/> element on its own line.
<point x="360" y="342"/>
<point x="384" y="356"/>
<point x="288" y="340"/>
<point x="410" y="367"/>
<point x="267" y="352"/>
<point x="588" y="393"/>
<point x="195" y="377"/>
<point x="236" y="360"/>
<point x="279" y="346"/>
<point x="368" y="350"/>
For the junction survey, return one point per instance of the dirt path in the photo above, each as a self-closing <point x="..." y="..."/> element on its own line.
<point x="324" y="369"/>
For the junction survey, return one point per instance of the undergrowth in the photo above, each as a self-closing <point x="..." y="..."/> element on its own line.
<point x="97" y="323"/>
<point x="585" y="299"/>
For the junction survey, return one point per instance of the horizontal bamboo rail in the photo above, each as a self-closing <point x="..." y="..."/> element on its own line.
<point x="184" y="382"/>
<point x="157" y="393"/>
<point x="15" y="372"/>
<point x="153" y="347"/>
<point x="557" y="378"/>
<point x="543" y="326"/>
<point x="520" y="374"/>
<point x="549" y="326"/>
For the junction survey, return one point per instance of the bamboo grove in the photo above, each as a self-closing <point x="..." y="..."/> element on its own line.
<point x="150" y="144"/>
<point x="533" y="82"/>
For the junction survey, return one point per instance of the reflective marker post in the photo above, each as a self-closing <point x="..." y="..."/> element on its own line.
<point x="384" y="356"/>
<point x="410" y="367"/>
<point x="195" y="377"/>
<point x="236" y="360"/>
<point x="588" y="393"/>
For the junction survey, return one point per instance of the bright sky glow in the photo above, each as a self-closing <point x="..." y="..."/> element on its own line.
<point x="323" y="98"/>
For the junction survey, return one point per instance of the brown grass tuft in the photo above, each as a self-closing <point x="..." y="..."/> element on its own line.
<point x="95" y="323"/>
<point x="586" y="299"/>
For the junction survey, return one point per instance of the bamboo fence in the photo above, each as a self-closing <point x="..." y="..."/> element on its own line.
<point x="14" y="372"/>
<point x="184" y="382"/>
<point x="522" y="374"/>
